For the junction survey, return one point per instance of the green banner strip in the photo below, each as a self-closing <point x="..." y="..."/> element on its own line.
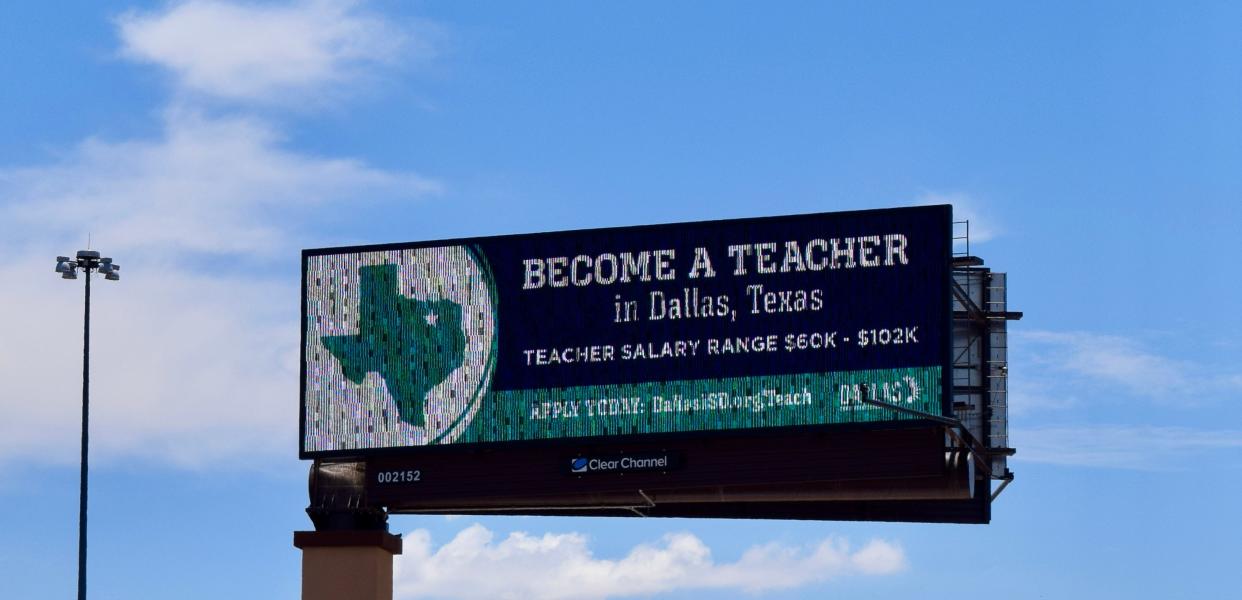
<point x="705" y="404"/>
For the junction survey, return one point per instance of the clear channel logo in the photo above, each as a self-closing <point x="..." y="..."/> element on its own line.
<point x="622" y="463"/>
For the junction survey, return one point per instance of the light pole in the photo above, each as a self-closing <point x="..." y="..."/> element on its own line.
<point x="88" y="261"/>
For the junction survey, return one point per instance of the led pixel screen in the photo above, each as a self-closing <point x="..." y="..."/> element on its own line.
<point x="724" y="325"/>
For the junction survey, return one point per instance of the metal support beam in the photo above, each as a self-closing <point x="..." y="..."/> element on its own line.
<point x="1004" y="484"/>
<point x="973" y="312"/>
<point x="910" y="411"/>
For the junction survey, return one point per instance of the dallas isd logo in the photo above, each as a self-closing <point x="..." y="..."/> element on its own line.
<point x="405" y="342"/>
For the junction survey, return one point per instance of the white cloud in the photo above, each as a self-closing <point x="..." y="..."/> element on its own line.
<point x="210" y="185"/>
<point x="265" y="52"/>
<point x="983" y="227"/>
<point x="1122" y="446"/>
<point x="189" y="367"/>
<point x="1064" y="365"/>
<point x="475" y="565"/>
<point x="186" y="368"/>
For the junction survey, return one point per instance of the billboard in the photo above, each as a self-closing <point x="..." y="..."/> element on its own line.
<point x="748" y="325"/>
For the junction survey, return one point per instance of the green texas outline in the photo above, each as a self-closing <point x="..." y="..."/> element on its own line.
<point x="412" y="344"/>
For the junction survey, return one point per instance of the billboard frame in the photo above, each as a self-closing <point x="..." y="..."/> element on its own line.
<point x="945" y="362"/>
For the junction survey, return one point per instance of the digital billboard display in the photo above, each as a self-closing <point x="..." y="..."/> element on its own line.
<point x="731" y="325"/>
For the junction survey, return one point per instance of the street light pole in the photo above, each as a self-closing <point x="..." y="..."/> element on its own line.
<point x="86" y="416"/>
<point x="87" y="261"/>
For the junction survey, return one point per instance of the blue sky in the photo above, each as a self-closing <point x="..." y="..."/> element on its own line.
<point x="1094" y="146"/>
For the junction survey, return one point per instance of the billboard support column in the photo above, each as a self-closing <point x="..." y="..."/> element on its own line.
<point x="347" y="564"/>
<point x="349" y="555"/>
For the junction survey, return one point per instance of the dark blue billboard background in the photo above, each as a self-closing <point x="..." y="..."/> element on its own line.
<point x="906" y="295"/>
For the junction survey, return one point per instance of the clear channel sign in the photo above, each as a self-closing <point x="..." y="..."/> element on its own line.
<point x="738" y="325"/>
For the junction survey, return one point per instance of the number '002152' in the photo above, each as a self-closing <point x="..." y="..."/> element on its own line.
<point x="407" y="476"/>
